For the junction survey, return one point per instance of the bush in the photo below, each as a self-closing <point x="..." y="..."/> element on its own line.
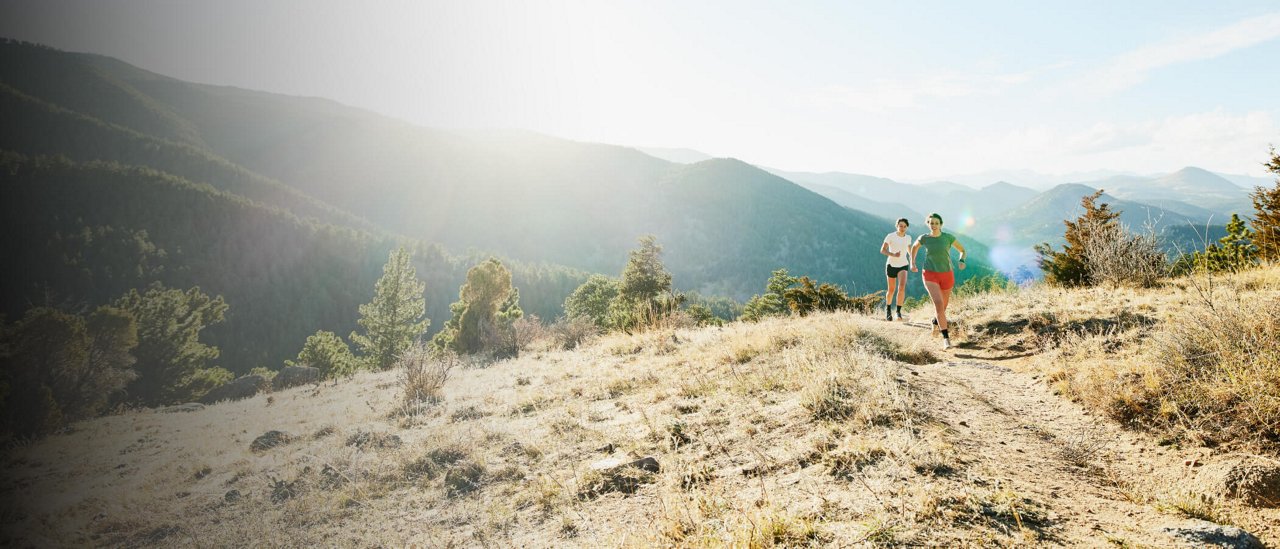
<point x="482" y="318"/>
<point x="1115" y="256"/>
<point x="591" y="300"/>
<point x="772" y="302"/>
<point x="58" y="367"/>
<point x="328" y="353"/>
<point x="1219" y="372"/>
<point x="424" y="373"/>
<point x="528" y="330"/>
<point x="574" y="331"/>
<point x="1266" y="217"/>
<point x="810" y="296"/>
<point x="1232" y="253"/>
<point x="989" y="284"/>
<point x="1070" y="266"/>
<point x="702" y="315"/>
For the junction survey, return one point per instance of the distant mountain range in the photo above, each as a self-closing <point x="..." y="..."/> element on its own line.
<point x="332" y="176"/>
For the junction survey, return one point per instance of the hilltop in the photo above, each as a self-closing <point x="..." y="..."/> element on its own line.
<point x="1047" y="425"/>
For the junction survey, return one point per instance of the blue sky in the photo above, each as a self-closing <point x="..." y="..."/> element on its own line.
<point x="907" y="90"/>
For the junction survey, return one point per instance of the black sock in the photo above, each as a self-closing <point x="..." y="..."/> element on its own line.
<point x="945" y="335"/>
<point x="899" y="307"/>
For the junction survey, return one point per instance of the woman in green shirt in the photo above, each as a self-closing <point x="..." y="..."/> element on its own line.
<point x="938" y="276"/>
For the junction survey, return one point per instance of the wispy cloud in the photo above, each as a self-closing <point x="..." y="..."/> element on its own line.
<point x="1131" y="68"/>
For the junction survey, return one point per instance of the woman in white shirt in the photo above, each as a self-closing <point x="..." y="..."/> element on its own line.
<point x="896" y="246"/>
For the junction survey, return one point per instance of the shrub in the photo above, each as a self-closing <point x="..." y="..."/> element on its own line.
<point x="327" y="352"/>
<point x="1070" y="266"/>
<point x="772" y="302"/>
<point x="1115" y="256"/>
<point x="810" y="296"/>
<point x="1220" y="373"/>
<point x="58" y="367"/>
<point x="1232" y="253"/>
<point x="425" y="372"/>
<point x="702" y="315"/>
<point x="1266" y="217"/>
<point x="591" y="300"/>
<point x="528" y="330"/>
<point x="990" y="284"/>
<point x="574" y="331"/>
<point x="482" y="318"/>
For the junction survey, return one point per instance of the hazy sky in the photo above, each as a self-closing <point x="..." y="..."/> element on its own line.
<point x="902" y="89"/>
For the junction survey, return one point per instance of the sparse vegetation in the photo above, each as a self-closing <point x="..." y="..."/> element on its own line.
<point x="424" y="373"/>
<point x="808" y="431"/>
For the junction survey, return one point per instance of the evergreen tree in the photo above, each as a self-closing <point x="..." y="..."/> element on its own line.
<point x="773" y="302"/>
<point x="1069" y="267"/>
<point x="60" y="367"/>
<point x="171" y="360"/>
<point x="113" y="335"/>
<point x="1233" y="252"/>
<point x="327" y="352"/>
<point x="645" y="293"/>
<point x="482" y="318"/>
<point x="1266" y="218"/>
<point x="396" y="317"/>
<point x="591" y="300"/>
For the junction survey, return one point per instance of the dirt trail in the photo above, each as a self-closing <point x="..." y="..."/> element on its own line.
<point x="1096" y="482"/>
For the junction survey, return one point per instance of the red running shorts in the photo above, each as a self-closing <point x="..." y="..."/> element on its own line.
<point x="945" y="281"/>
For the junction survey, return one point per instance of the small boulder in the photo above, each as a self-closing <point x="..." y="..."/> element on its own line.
<point x="269" y="440"/>
<point x="241" y="388"/>
<point x="293" y="376"/>
<point x="1253" y="480"/>
<point x="625" y="478"/>
<point x="1202" y="533"/>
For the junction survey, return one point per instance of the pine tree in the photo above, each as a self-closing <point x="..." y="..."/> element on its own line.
<point x="1069" y="267"/>
<point x="171" y="358"/>
<point x="482" y="318"/>
<point x="591" y="299"/>
<point x="397" y="315"/>
<point x="1266" y="218"/>
<point x="773" y="302"/>
<point x="645" y="292"/>
<point x="1233" y="252"/>
<point x="327" y="352"/>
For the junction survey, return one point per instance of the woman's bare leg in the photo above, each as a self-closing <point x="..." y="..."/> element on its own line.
<point x="939" y="306"/>
<point x="946" y="300"/>
<point x="902" y="287"/>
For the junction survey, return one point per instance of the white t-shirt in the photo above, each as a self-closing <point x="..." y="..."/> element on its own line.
<point x="898" y="244"/>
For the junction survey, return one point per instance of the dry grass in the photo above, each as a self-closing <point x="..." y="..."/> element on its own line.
<point x="507" y="454"/>
<point x="1195" y="358"/>
<point x="786" y="432"/>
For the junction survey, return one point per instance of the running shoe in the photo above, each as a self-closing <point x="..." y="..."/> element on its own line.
<point x="946" y="343"/>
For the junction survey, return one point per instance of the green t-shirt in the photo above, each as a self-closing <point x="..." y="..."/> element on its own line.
<point x="937" y="252"/>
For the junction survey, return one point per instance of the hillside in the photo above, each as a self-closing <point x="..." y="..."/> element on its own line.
<point x="834" y="429"/>
<point x="1190" y="185"/>
<point x="85" y="233"/>
<point x="1040" y="219"/>
<point x="517" y="194"/>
